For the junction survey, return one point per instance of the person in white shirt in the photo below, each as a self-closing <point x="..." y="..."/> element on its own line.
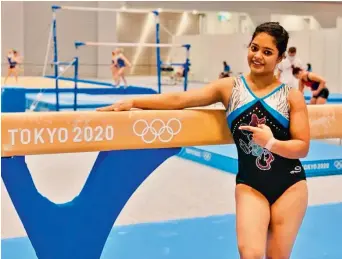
<point x="285" y="68"/>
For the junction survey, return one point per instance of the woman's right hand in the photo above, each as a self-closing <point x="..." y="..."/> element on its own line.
<point x="122" y="105"/>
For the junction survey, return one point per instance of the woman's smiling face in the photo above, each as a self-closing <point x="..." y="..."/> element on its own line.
<point x="263" y="55"/>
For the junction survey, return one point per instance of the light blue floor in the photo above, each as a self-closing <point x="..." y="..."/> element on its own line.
<point x="333" y="97"/>
<point x="204" y="238"/>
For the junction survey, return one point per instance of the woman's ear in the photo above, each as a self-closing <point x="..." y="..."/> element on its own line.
<point x="280" y="58"/>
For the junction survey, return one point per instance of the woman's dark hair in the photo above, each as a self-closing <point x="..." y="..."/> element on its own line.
<point x="274" y="29"/>
<point x="295" y="70"/>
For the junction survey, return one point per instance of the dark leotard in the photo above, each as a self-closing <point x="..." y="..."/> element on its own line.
<point x="12" y="63"/>
<point x="268" y="173"/>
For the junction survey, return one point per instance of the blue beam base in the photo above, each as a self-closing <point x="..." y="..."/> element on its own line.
<point x="79" y="229"/>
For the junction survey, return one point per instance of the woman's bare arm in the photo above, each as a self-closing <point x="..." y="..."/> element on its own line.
<point x="217" y="91"/>
<point x="298" y="146"/>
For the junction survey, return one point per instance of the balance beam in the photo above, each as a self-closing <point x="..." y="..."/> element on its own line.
<point x="68" y="132"/>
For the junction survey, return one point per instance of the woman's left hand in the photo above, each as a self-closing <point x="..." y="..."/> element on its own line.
<point x="261" y="134"/>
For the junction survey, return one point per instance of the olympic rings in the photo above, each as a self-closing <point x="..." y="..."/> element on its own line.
<point x="206" y="156"/>
<point x="157" y="133"/>
<point x="338" y="164"/>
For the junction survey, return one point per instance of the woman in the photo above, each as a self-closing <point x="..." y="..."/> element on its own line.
<point x="316" y="83"/>
<point x="226" y="70"/>
<point x="114" y="68"/>
<point x="120" y="62"/>
<point x="13" y="65"/>
<point x="270" y="125"/>
<point x="309" y="67"/>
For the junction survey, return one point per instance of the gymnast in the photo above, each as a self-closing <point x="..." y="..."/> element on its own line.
<point x="13" y="65"/>
<point x="270" y="126"/>
<point x="284" y="72"/>
<point x="114" y="67"/>
<point x="226" y="70"/>
<point x="120" y="62"/>
<point x="316" y="83"/>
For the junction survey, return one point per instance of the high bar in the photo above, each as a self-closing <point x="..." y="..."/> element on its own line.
<point x="121" y="44"/>
<point x="97" y="9"/>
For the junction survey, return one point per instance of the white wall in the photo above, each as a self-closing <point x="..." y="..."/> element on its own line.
<point x="317" y="9"/>
<point x="339" y="22"/>
<point x="340" y="64"/>
<point x="296" y="22"/>
<point x="11" y="36"/>
<point x="106" y="32"/>
<point x="209" y="51"/>
<point x="291" y="22"/>
<point x="214" y="26"/>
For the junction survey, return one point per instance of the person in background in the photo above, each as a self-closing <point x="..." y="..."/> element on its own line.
<point x="316" y="83"/>
<point x="309" y="67"/>
<point x="13" y="65"/>
<point x="114" y="67"/>
<point x="285" y="68"/>
<point x="226" y="70"/>
<point x="121" y="63"/>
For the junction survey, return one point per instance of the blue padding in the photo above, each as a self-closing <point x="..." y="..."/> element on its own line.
<point x="120" y="90"/>
<point x="55" y="7"/>
<point x="323" y="159"/>
<point x="333" y="97"/>
<point x="93" y="91"/>
<point x="79" y="229"/>
<point x="212" y="237"/>
<point x="48" y="101"/>
<point x="13" y="99"/>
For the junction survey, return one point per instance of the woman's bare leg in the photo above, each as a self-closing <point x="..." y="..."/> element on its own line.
<point x="313" y="100"/>
<point x="321" y="100"/>
<point x="287" y="214"/>
<point x="9" y="73"/>
<point x="252" y="221"/>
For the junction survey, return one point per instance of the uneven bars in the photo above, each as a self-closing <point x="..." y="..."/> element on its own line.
<point x="121" y="44"/>
<point x="67" y="132"/>
<point x="96" y="9"/>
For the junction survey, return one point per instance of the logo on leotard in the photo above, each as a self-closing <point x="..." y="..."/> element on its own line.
<point x="296" y="170"/>
<point x="264" y="157"/>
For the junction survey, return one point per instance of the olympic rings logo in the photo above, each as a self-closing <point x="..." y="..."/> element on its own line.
<point x="338" y="164"/>
<point x="164" y="133"/>
<point x="206" y="156"/>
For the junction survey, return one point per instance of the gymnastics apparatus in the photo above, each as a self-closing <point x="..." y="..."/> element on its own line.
<point x="134" y="90"/>
<point x="79" y="229"/>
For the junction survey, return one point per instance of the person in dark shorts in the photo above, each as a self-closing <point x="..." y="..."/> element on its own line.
<point x="316" y="83"/>
<point x="13" y="65"/>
